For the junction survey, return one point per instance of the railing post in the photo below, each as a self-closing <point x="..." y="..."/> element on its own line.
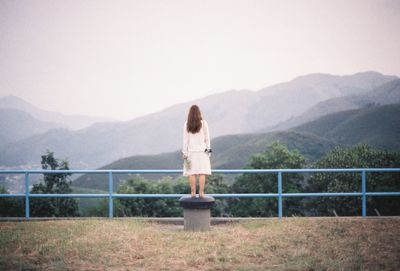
<point x="280" y="194"/>
<point x="363" y="191"/>
<point x="26" y="195"/>
<point x="110" y="197"/>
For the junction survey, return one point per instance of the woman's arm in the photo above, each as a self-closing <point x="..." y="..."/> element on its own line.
<point x="206" y="135"/>
<point x="185" y="144"/>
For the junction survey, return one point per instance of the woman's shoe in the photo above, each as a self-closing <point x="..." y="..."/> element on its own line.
<point x="201" y="195"/>
<point x="193" y="196"/>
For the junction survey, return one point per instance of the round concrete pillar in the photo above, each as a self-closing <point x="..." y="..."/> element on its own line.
<point x="196" y="212"/>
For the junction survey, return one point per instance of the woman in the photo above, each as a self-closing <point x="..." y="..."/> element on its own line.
<point x="196" y="150"/>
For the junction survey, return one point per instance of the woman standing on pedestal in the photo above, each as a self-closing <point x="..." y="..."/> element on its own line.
<point x="196" y="150"/>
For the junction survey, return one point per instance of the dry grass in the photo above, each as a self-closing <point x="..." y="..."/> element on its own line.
<point x="290" y="244"/>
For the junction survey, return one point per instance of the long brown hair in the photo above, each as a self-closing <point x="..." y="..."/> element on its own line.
<point x="194" y="119"/>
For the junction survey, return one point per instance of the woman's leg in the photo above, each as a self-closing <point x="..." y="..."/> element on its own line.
<point x="192" y="180"/>
<point x="202" y="181"/>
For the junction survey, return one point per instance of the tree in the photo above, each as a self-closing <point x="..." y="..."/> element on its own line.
<point x="53" y="183"/>
<point x="148" y="206"/>
<point x="275" y="156"/>
<point x="154" y="207"/>
<point x="215" y="184"/>
<point x="359" y="156"/>
<point x="10" y="207"/>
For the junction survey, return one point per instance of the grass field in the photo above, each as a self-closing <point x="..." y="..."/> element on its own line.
<point x="268" y="244"/>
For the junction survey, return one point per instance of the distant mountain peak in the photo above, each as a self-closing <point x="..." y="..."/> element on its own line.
<point x="231" y="91"/>
<point x="317" y="76"/>
<point x="73" y="121"/>
<point x="13" y="101"/>
<point x="371" y="72"/>
<point x="10" y="96"/>
<point x="13" y="97"/>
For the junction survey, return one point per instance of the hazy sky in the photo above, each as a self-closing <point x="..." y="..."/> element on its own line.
<point x="128" y="58"/>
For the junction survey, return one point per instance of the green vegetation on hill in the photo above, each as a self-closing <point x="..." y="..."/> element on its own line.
<point x="100" y="181"/>
<point x="10" y="207"/>
<point x="54" y="183"/>
<point x="86" y="206"/>
<point x="275" y="155"/>
<point x="378" y="126"/>
<point x="233" y="151"/>
<point x="240" y="148"/>
<point x="359" y="156"/>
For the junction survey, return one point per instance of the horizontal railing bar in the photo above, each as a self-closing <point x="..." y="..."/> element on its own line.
<point x="241" y="195"/>
<point x="68" y="195"/>
<point x="234" y="171"/>
<point x="148" y="195"/>
<point x="331" y="194"/>
<point x="382" y="193"/>
<point x="94" y="171"/>
<point x="252" y="195"/>
<point x="383" y="169"/>
<point x="11" y="195"/>
<point x="305" y="170"/>
<point x="55" y="195"/>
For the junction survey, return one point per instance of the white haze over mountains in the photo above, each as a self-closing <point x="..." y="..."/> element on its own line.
<point x="128" y="58"/>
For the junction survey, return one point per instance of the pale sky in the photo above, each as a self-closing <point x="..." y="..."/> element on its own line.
<point x="124" y="59"/>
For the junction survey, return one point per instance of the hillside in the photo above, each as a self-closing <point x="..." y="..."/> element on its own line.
<point x="288" y="100"/>
<point x="378" y="126"/>
<point x="231" y="112"/>
<point x="233" y="151"/>
<point x="16" y="125"/>
<point x="388" y="93"/>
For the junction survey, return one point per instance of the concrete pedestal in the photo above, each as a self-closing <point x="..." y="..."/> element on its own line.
<point x="196" y="212"/>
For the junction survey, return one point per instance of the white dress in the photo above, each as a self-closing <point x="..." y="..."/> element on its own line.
<point x="193" y="147"/>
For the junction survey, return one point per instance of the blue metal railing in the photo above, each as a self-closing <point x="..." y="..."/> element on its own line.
<point x="27" y="195"/>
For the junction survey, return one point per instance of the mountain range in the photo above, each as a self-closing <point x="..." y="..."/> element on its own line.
<point x="235" y="112"/>
<point x="387" y="93"/>
<point x="378" y="126"/>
